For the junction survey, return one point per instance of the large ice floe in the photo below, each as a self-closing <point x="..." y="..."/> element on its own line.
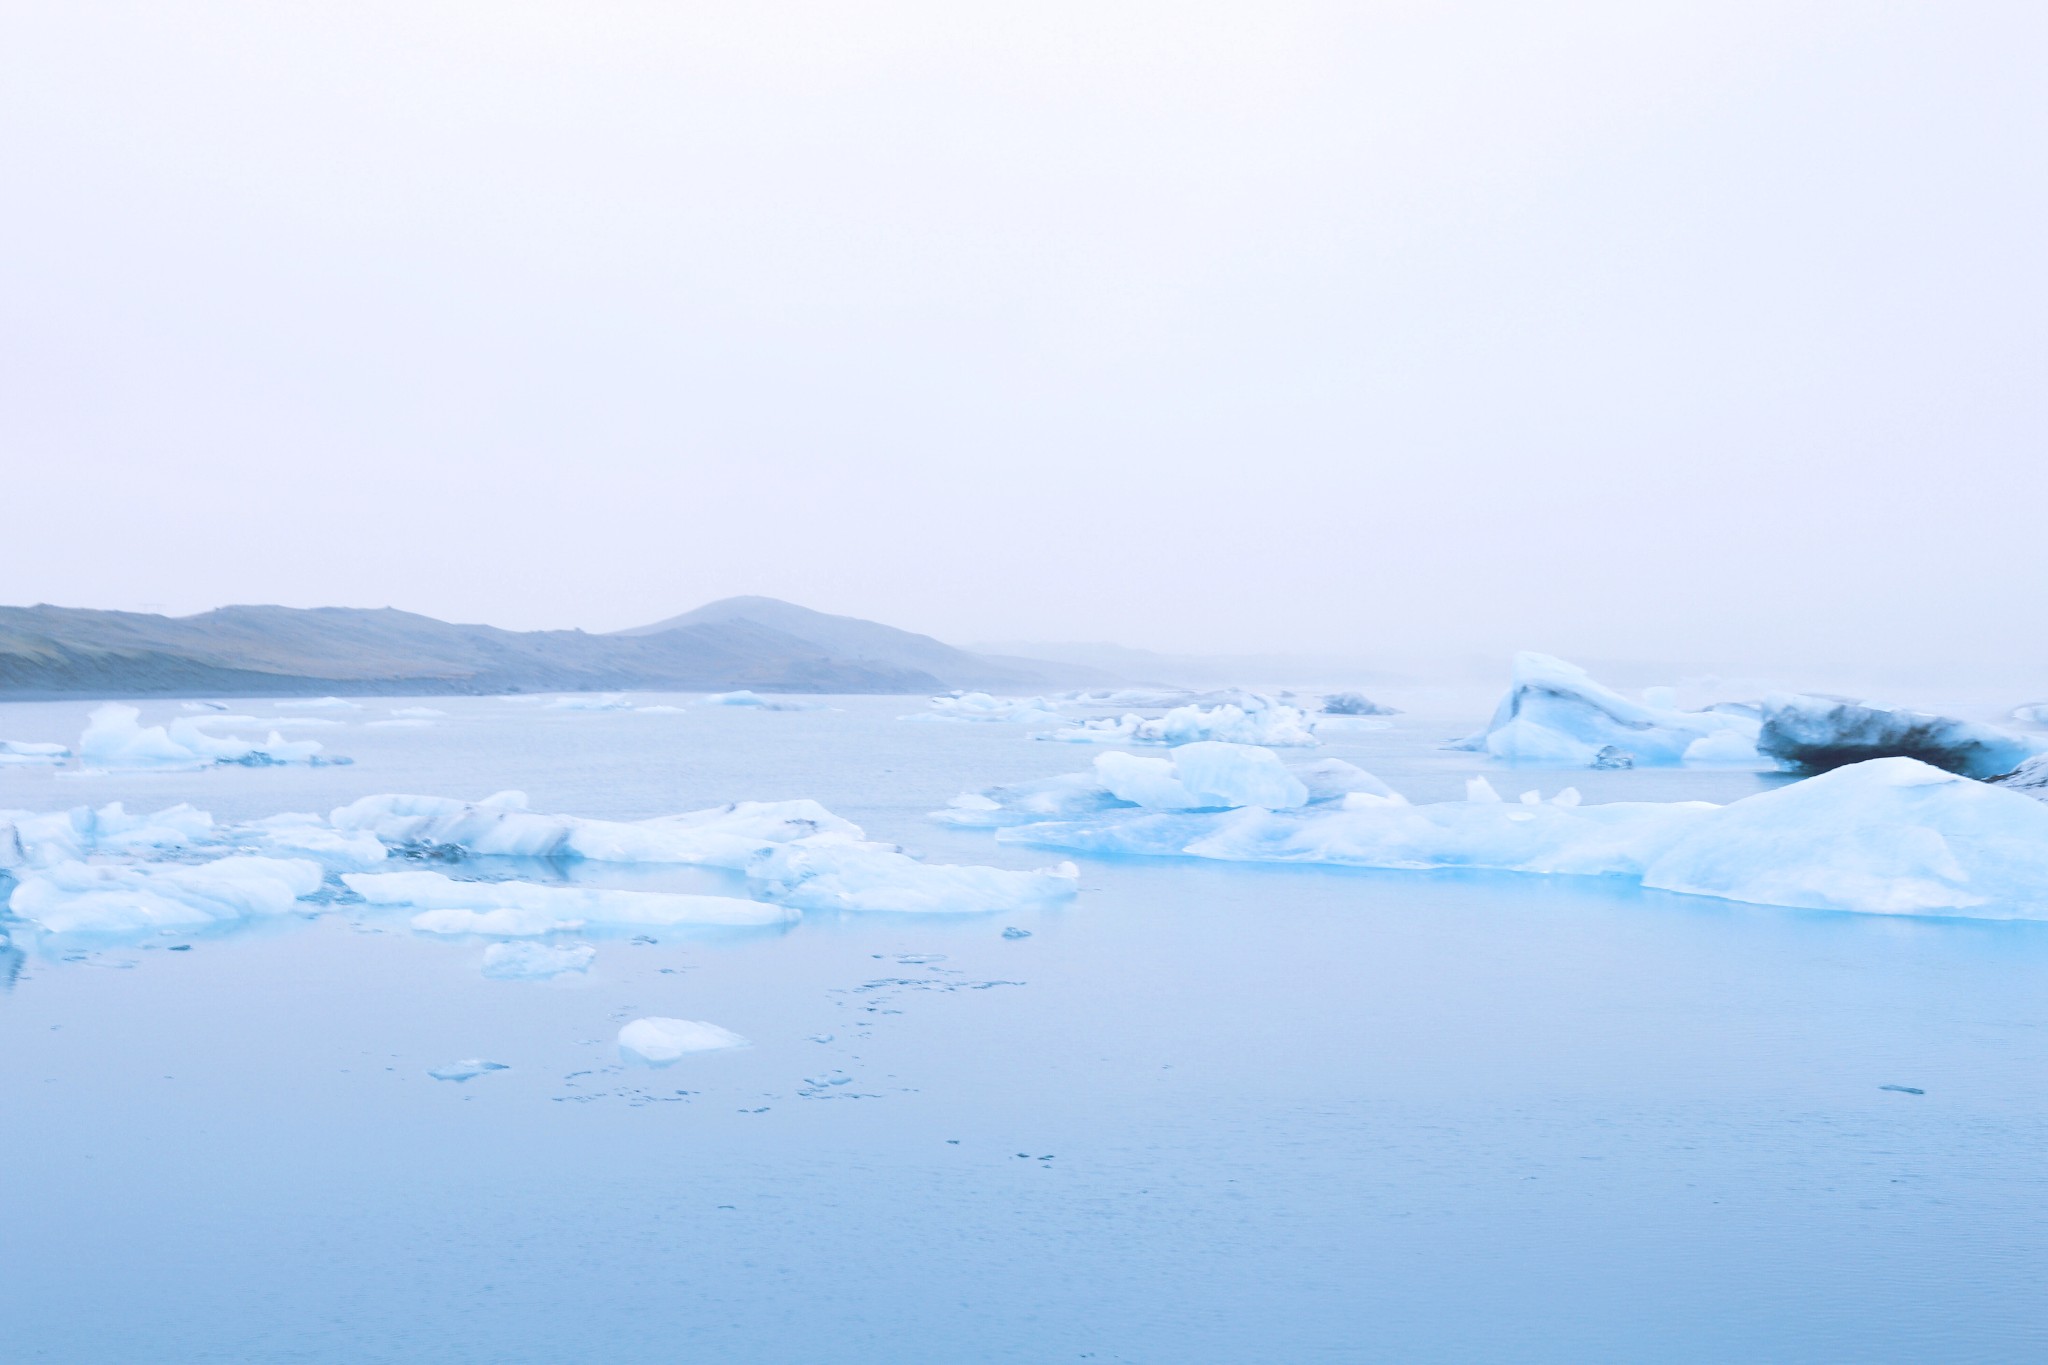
<point x="1555" y="716"/>
<point x="1260" y="720"/>
<point x="1814" y="734"/>
<point x="114" y="740"/>
<point x="1888" y="836"/>
<point x="461" y="907"/>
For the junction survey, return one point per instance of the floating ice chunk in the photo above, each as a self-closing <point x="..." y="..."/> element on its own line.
<point x="1217" y="773"/>
<point x="416" y="712"/>
<point x="1480" y="792"/>
<point x="204" y="705"/>
<point x="466" y="1070"/>
<point x="28" y="839"/>
<point x="97" y="898"/>
<point x="659" y="709"/>
<point x="585" y="701"/>
<point x="657" y="1041"/>
<point x="826" y="874"/>
<point x="399" y="723"/>
<point x="1066" y="797"/>
<point x="2034" y="713"/>
<point x="1273" y="725"/>
<point x="1818" y="733"/>
<point x="23" y="752"/>
<point x="563" y="904"/>
<point x="1886" y="836"/>
<point x="310" y="836"/>
<point x="980" y="706"/>
<point x="1555" y="715"/>
<point x="506" y="922"/>
<point x="1332" y="779"/>
<point x="1148" y="782"/>
<point x="113" y="740"/>
<point x="743" y="697"/>
<point x="535" y="961"/>
<point x="1354" y="704"/>
<point x="1100" y="730"/>
<point x="723" y="836"/>
<point x="319" y="704"/>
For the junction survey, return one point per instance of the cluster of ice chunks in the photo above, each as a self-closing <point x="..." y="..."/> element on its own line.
<point x="1260" y="721"/>
<point x="1886" y="836"/>
<point x="114" y="740"/>
<point x="109" y="871"/>
<point x="980" y="706"/>
<point x="1554" y="715"/>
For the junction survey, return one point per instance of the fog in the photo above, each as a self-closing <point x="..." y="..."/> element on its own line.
<point x="1701" y="332"/>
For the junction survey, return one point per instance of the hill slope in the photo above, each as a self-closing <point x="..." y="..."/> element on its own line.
<point x="254" y="651"/>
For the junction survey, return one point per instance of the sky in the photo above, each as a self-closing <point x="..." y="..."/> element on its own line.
<point x="1711" y="332"/>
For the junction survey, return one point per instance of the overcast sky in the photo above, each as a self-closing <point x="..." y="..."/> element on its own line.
<point x="1654" y="330"/>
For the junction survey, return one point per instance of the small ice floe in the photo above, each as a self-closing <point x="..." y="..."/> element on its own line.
<point x="114" y="741"/>
<point x="588" y="701"/>
<point x="659" y="709"/>
<point x="1354" y="704"/>
<point x="536" y="961"/>
<point x="1813" y="734"/>
<point x="310" y="836"/>
<point x="827" y="875"/>
<point x="982" y="707"/>
<point x="466" y="1070"/>
<point x="746" y="698"/>
<point x="504" y="922"/>
<point x="1555" y="715"/>
<point x="656" y="1041"/>
<point x="319" y="704"/>
<point x="24" y="752"/>
<point x="32" y="840"/>
<point x="417" y="713"/>
<point x="539" y="906"/>
<point x="1904" y="1089"/>
<point x="1012" y="931"/>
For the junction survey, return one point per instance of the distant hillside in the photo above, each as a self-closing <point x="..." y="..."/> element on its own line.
<point x="755" y="643"/>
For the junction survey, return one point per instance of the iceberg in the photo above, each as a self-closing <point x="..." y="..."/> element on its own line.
<point x="114" y="741"/>
<point x="657" y="1042"/>
<point x="1554" y="715"/>
<point x="559" y="906"/>
<point x="16" y="751"/>
<point x="535" y="961"/>
<point x="586" y="701"/>
<point x="1814" y="734"/>
<point x="1894" y="836"/>
<point x="2033" y="713"/>
<point x="724" y="836"/>
<point x="31" y="840"/>
<point x="1885" y="836"/>
<point x="2030" y="778"/>
<point x="75" y="897"/>
<point x="1261" y="721"/>
<point x="980" y="706"/>
<point x="309" y="836"/>
<point x="847" y="875"/>
<point x="1354" y="704"/>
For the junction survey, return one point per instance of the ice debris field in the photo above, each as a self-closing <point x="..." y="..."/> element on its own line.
<point x="1680" y="1003"/>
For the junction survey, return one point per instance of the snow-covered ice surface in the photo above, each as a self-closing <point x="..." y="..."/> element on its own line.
<point x="1204" y="1111"/>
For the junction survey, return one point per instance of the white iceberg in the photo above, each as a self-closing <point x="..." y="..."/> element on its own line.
<point x="114" y="741"/>
<point x="536" y="961"/>
<point x="724" y="836"/>
<point x="1817" y="733"/>
<point x="111" y="899"/>
<point x="586" y="701"/>
<point x="311" y="837"/>
<point x="1261" y="721"/>
<point x="1554" y="715"/>
<point x="980" y="706"/>
<point x="558" y="905"/>
<point x="657" y="1042"/>
<point x="1886" y="836"/>
<point x="827" y="874"/>
<point x="18" y="751"/>
<point x="30" y="839"/>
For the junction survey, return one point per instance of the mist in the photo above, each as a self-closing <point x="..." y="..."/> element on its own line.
<point x="1709" y="333"/>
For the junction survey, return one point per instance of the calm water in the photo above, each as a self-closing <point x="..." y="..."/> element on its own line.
<point x="1206" y="1113"/>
